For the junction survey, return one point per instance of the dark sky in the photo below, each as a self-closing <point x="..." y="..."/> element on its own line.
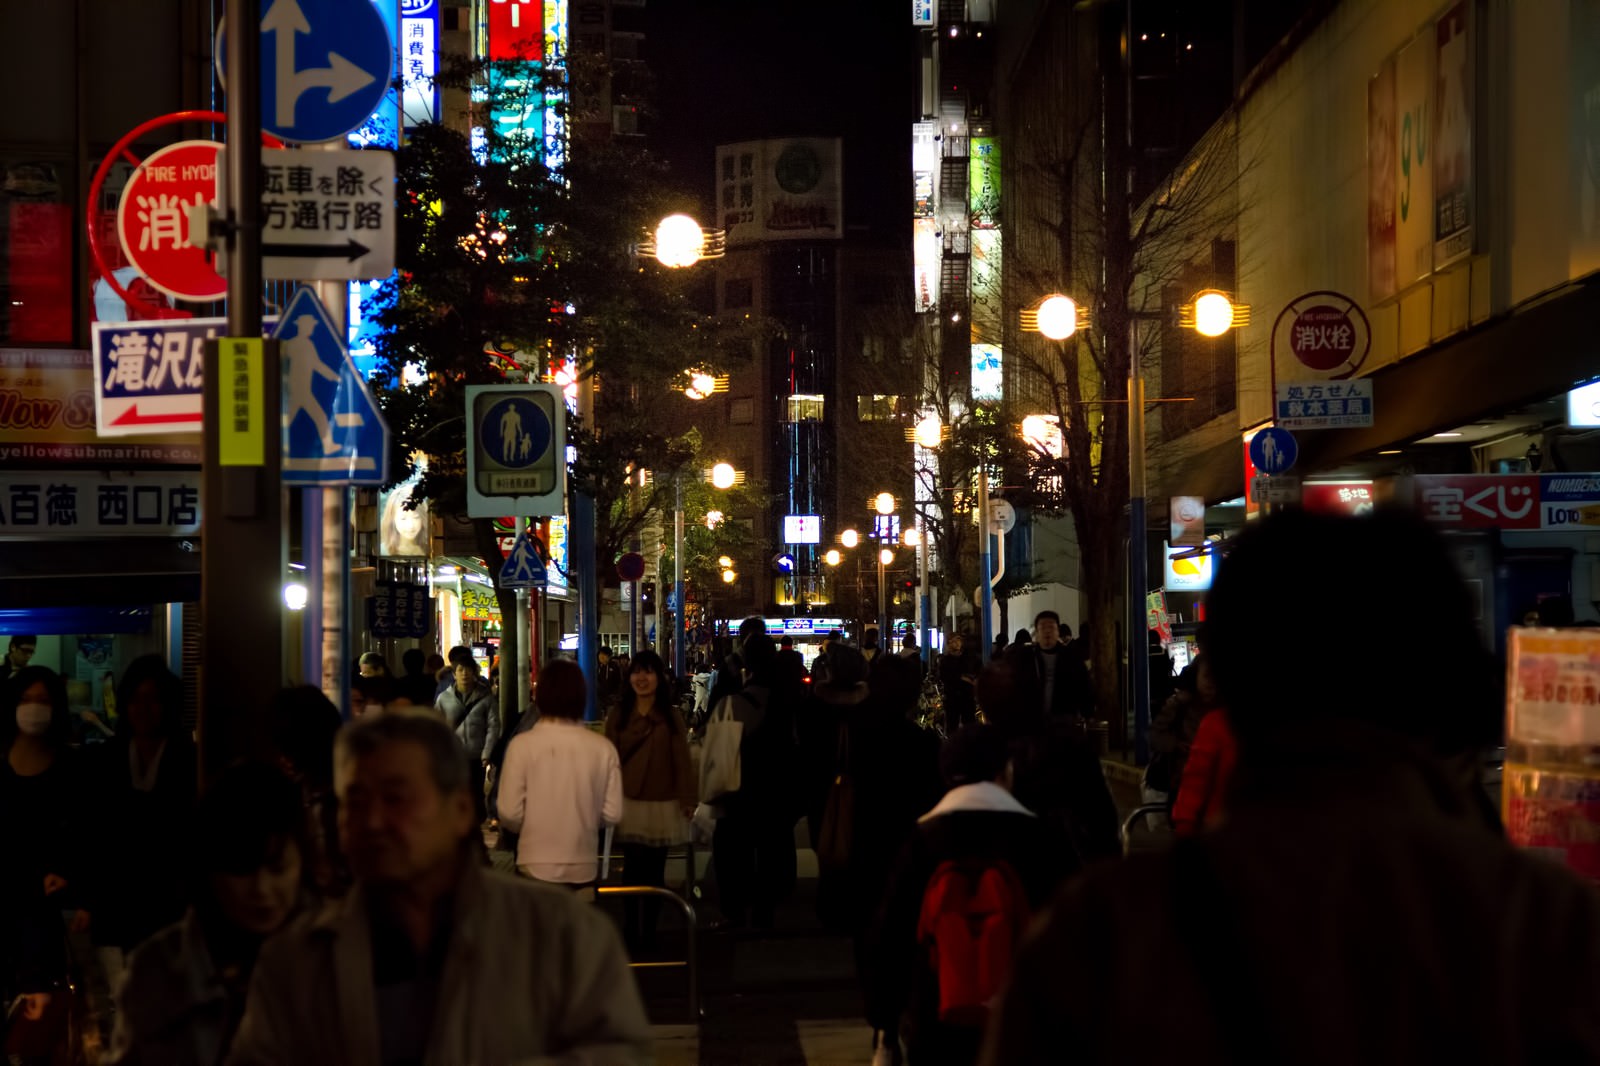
<point x="730" y="70"/>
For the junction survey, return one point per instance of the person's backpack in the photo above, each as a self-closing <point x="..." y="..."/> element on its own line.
<point x="973" y="916"/>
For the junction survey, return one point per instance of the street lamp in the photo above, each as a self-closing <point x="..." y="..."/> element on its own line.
<point x="722" y="476"/>
<point x="849" y="538"/>
<point x="833" y="557"/>
<point x="883" y="503"/>
<point x="885" y="557"/>
<point x="1210" y="313"/>
<point x="679" y="241"/>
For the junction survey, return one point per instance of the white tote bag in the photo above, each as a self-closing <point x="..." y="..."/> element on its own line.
<point x="719" y="753"/>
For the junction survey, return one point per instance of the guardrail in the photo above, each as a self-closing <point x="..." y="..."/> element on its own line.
<point x="692" y="962"/>
<point x="1139" y="814"/>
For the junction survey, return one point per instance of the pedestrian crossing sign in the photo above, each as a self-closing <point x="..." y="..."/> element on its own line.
<point x="333" y="433"/>
<point x="523" y="568"/>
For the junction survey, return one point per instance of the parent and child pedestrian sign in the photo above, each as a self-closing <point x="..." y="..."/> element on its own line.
<point x="516" y="450"/>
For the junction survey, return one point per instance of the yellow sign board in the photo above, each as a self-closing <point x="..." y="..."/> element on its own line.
<point x="241" y="419"/>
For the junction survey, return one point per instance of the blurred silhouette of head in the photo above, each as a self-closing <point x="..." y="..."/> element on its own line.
<point x="1393" y="646"/>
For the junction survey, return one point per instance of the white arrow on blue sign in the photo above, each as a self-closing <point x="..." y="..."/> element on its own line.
<point x="333" y="433"/>
<point x="325" y="67"/>
<point x="523" y="568"/>
<point x="1273" y="450"/>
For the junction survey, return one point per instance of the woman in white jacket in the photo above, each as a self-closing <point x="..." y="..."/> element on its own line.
<point x="560" y="786"/>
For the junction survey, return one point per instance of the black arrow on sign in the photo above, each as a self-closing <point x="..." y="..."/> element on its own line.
<point x="351" y="250"/>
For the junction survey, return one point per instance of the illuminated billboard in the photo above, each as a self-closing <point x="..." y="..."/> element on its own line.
<point x="802" y="529"/>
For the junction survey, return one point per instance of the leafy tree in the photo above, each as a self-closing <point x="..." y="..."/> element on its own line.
<point x="512" y="271"/>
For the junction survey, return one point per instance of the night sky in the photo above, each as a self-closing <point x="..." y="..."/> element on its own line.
<point x="730" y="70"/>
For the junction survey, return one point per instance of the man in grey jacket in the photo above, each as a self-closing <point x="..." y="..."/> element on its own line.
<point x="432" y="957"/>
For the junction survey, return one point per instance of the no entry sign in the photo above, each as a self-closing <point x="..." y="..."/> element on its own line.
<point x="152" y="220"/>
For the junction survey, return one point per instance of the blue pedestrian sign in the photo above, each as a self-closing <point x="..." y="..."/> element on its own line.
<point x="1273" y="450"/>
<point x="516" y="450"/>
<point x="333" y="433"/>
<point x="523" y="568"/>
<point x="325" y="67"/>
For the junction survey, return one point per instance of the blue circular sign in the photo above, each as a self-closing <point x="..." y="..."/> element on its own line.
<point x="515" y="432"/>
<point x="325" y="67"/>
<point x="1273" y="450"/>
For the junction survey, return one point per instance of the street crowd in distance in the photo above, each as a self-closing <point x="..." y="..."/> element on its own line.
<point x="418" y="884"/>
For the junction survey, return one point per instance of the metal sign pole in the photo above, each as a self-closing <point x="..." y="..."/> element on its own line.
<point x="243" y="562"/>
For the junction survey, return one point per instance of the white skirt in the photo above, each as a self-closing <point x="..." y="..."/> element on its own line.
<point x="655" y="823"/>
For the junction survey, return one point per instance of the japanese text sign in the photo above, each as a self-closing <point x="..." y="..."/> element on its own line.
<point x="1323" y="404"/>
<point x="326" y="213"/>
<point x="93" y="504"/>
<point x="153" y="220"/>
<point x="1480" y="501"/>
<point x="242" y="426"/>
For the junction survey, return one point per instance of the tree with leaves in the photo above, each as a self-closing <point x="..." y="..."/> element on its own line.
<point x="510" y="271"/>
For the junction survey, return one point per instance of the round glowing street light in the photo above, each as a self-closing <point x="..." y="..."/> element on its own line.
<point x="832" y="557"/>
<point x="849" y="538"/>
<point x="1058" y="317"/>
<point x="912" y="537"/>
<point x="714" y="519"/>
<point x="883" y="503"/>
<point x="723" y="476"/>
<point x="680" y="242"/>
<point x="929" y="432"/>
<point x="701" y="385"/>
<point x="725" y="562"/>
<point x="1213" y="314"/>
<point x="729" y="577"/>
<point x="886" y="556"/>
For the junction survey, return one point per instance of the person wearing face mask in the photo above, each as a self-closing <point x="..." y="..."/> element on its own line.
<point x="145" y="777"/>
<point x="41" y="878"/>
<point x="185" y="991"/>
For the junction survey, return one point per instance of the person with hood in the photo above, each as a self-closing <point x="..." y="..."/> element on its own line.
<point x="912" y="977"/>
<point x="1360" y="904"/>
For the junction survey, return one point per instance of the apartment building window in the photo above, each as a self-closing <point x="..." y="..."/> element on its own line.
<point x="877" y="408"/>
<point x="804" y="407"/>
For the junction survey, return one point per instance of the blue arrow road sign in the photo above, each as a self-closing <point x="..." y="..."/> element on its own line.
<point x="333" y="433"/>
<point x="1273" y="450"/>
<point x="523" y="568"/>
<point x="325" y="66"/>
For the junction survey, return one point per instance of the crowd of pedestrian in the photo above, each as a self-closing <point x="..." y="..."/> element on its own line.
<point x="1339" y="891"/>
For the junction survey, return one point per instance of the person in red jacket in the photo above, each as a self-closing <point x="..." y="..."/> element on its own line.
<point x="1206" y="772"/>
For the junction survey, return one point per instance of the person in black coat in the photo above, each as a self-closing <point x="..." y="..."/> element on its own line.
<point x="1050" y="672"/>
<point x="958" y="676"/>
<point x="145" y="777"/>
<point x="893" y="769"/>
<point x="978" y="819"/>
<point x="1057" y="772"/>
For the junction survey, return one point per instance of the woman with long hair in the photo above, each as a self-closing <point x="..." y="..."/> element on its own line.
<point x="44" y="872"/>
<point x="658" y="785"/>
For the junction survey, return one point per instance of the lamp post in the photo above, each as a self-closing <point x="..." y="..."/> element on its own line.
<point x="1210" y="313"/>
<point x="721" y="476"/>
<point x="885" y="557"/>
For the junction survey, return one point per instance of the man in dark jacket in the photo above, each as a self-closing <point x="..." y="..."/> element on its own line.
<point x="958" y="677"/>
<point x="1360" y="903"/>
<point x="978" y="821"/>
<point x="1050" y="674"/>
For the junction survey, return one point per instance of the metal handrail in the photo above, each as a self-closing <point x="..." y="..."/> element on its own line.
<point x="692" y="963"/>
<point x="1138" y="814"/>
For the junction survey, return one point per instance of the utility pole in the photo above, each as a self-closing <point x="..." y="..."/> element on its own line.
<point x="243" y="563"/>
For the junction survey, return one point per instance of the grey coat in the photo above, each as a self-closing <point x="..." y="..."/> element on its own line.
<point x="173" y="1008"/>
<point x="532" y="976"/>
<point x="475" y="718"/>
